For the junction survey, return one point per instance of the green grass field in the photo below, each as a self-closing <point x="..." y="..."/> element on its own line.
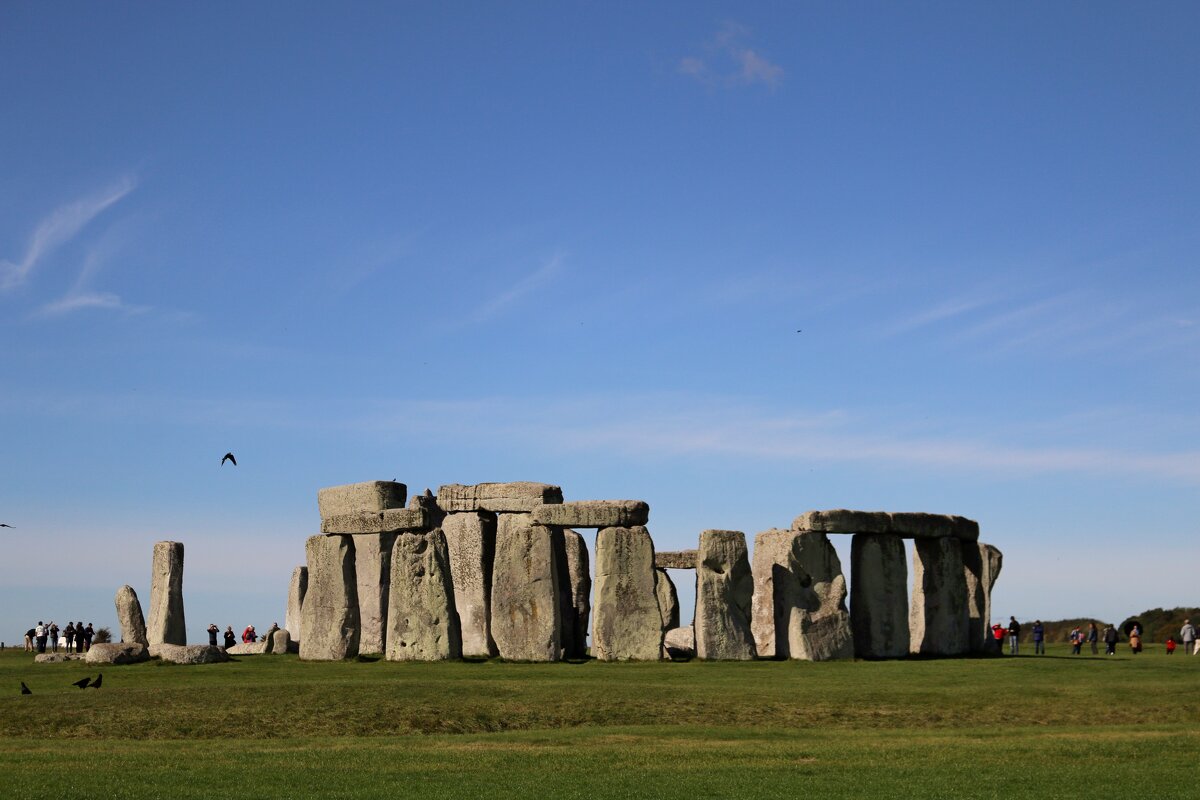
<point x="279" y="727"/>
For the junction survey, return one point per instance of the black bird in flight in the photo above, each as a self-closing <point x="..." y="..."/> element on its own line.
<point x="5" y="525"/>
<point x="99" y="679"/>
<point x="228" y="457"/>
<point x="25" y="689"/>
<point x="82" y="683"/>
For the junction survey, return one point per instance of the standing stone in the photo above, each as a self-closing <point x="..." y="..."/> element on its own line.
<point x="992" y="564"/>
<point x="799" y="608"/>
<point x="526" y="623"/>
<point x="974" y="556"/>
<point x="129" y="616"/>
<point x="279" y="642"/>
<point x="629" y="624"/>
<point x="422" y="621"/>
<point x="778" y="581"/>
<point x="576" y="591"/>
<point x="471" y="544"/>
<point x="296" y="590"/>
<point x="724" y="593"/>
<point x="373" y="571"/>
<point x="166" y="597"/>
<point x="329" y="617"/>
<point x="937" y="616"/>
<point x="879" y="596"/>
<point x="668" y="599"/>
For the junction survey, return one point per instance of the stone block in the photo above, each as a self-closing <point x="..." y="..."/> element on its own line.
<point x="129" y="616"/>
<point x="329" y="625"/>
<point x="366" y="496"/>
<point x="680" y="642"/>
<point x="526" y="617"/>
<point x="799" y="607"/>
<point x="471" y="544"/>
<point x="675" y="559"/>
<point x="518" y="497"/>
<point x="393" y="520"/>
<point x="261" y="647"/>
<point x="296" y="591"/>
<point x="628" y="623"/>
<point x="903" y="524"/>
<point x="577" y="606"/>
<point x="724" y="592"/>
<point x="167" y="625"/>
<point x="938" y="621"/>
<point x="57" y="658"/>
<point x="123" y="653"/>
<point x="191" y="653"/>
<point x="422" y="621"/>
<point x="879" y="596"/>
<point x="373" y="575"/>
<point x="593" y="514"/>
<point x="279" y="642"/>
<point x="668" y="599"/>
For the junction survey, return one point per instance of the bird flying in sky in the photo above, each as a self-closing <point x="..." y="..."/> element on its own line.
<point x="228" y="457"/>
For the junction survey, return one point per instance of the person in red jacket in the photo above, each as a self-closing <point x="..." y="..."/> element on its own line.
<point x="998" y="636"/>
<point x="249" y="634"/>
<point x="1170" y="645"/>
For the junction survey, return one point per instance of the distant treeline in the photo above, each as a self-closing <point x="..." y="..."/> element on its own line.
<point x="1157" y="625"/>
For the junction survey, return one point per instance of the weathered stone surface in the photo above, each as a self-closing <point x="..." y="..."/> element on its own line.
<point x="428" y="504"/>
<point x="993" y="563"/>
<point x="366" y="496"/>
<point x="129" y="617"/>
<point x="422" y="621"/>
<point x="329" y="626"/>
<point x="577" y="607"/>
<point x="192" y="653"/>
<point x="521" y="496"/>
<point x="990" y="562"/>
<point x="471" y="544"/>
<point x="296" y="591"/>
<point x="392" y="520"/>
<point x="628" y="623"/>
<point x="279" y="642"/>
<point x="258" y="648"/>
<point x="58" y="658"/>
<point x="937" y="616"/>
<point x="775" y="607"/>
<point x="167" y="625"/>
<point x="373" y="573"/>
<point x="123" y="653"/>
<point x="675" y="559"/>
<point x="593" y="514"/>
<point x="909" y="525"/>
<point x="680" y="642"/>
<point x="668" y="599"/>
<point x="974" y="556"/>
<point x="724" y="592"/>
<point x="879" y="596"/>
<point x="526" y="619"/>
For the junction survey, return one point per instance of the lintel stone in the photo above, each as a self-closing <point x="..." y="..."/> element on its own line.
<point x="516" y="497"/>
<point x="675" y="559"/>
<point x="365" y="496"/>
<point x="392" y="520"/>
<point x="593" y="514"/>
<point x="907" y="525"/>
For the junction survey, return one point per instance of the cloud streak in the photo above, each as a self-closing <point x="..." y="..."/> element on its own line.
<point x="58" y="228"/>
<point x="524" y="286"/>
<point x="729" y="62"/>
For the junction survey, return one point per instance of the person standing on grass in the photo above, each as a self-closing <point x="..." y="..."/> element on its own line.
<point x="1170" y="645"/>
<point x="1039" y="638"/>
<point x="1076" y="640"/>
<point x="1014" y="634"/>
<point x="1135" y="640"/>
<point x="1187" y="635"/>
<point x="1110" y="641"/>
<point x="1093" y="637"/>
<point x="998" y="638"/>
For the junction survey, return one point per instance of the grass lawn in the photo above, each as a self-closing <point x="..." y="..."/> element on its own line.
<point x="277" y="727"/>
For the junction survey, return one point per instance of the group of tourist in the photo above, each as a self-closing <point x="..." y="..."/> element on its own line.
<point x="249" y="635"/>
<point x="75" y="637"/>
<point x="1092" y="636"/>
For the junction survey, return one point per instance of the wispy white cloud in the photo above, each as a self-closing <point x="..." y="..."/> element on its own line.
<point x="59" y="227"/>
<point x="81" y="296"/>
<point x="729" y="61"/>
<point x="531" y="282"/>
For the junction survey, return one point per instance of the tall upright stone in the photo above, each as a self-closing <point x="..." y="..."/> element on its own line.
<point x="577" y="608"/>
<point x="167" y="625"/>
<point x="879" y="596"/>
<point x="668" y="599"/>
<point x="471" y="544"/>
<point x="993" y="561"/>
<point x="329" y="626"/>
<point x="799" y="608"/>
<point x="129" y="617"/>
<point x="724" y="596"/>
<point x="628" y="624"/>
<point x="373" y="574"/>
<point x="938" y="617"/>
<point x="422" y="621"/>
<point x="526" y="618"/>
<point x="974" y="556"/>
<point x="296" y="591"/>
<point x="778" y="581"/>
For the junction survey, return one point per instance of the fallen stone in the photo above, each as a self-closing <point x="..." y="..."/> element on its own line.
<point x="937" y="616"/>
<point x="57" y="658"/>
<point x="879" y="596"/>
<point x="167" y="624"/>
<point x="668" y="599"/>
<point x="279" y="642"/>
<point x="471" y="545"/>
<point x="191" y="653"/>
<point x="129" y="616"/>
<point x="577" y="607"/>
<point x="903" y="524"/>
<point x="526" y="621"/>
<point x="675" y="559"/>
<point x="249" y="648"/>
<point x="593" y="514"/>
<point x="680" y="642"/>
<point x="112" y="653"/>
<point x="393" y="520"/>
<point x="373" y="573"/>
<point x="296" y="591"/>
<point x="334" y="501"/>
<point x="329" y="626"/>
<point x="422" y="621"/>
<point x="518" y="497"/>
<point x="724" y="592"/>
<point x="628" y="624"/>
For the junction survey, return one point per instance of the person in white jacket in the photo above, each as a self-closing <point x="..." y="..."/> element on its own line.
<point x="1187" y="635"/>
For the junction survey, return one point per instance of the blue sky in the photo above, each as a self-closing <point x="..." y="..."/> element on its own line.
<point x="739" y="261"/>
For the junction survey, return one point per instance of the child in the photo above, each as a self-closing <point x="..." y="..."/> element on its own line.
<point x="1170" y="645"/>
